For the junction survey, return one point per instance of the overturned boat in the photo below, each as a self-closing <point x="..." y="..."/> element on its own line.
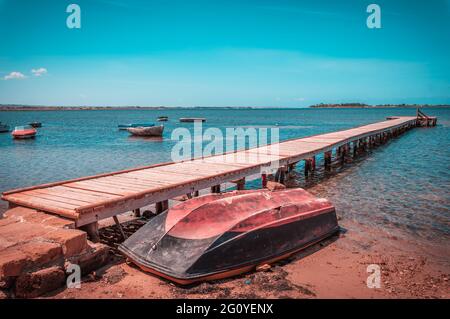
<point x="220" y="235"/>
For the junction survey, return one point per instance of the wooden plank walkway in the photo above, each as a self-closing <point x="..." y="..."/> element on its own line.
<point x="89" y="199"/>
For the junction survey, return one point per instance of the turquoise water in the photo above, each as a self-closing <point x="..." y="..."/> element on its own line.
<point x="402" y="185"/>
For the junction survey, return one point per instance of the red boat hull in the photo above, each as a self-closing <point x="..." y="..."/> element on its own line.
<point x="221" y="235"/>
<point x="23" y="134"/>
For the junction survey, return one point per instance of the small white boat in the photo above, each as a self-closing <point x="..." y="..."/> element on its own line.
<point x="146" y="131"/>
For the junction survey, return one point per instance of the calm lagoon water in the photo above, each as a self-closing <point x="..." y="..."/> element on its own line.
<point x="402" y="185"/>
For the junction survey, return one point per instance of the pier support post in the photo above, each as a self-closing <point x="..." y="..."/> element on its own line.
<point x="343" y="153"/>
<point x="347" y="150"/>
<point x="264" y="180"/>
<point x="327" y="160"/>
<point x="307" y="166"/>
<point x="161" y="206"/>
<point x="240" y="183"/>
<point x="310" y="165"/>
<point x="362" y="145"/>
<point x="355" y="148"/>
<point x="116" y="220"/>
<point x="291" y="167"/>
<point x="92" y="231"/>
<point x="137" y="212"/>
<point x="280" y="175"/>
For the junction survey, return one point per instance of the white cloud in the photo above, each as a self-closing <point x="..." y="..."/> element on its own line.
<point x="39" y="72"/>
<point x="14" y="75"/>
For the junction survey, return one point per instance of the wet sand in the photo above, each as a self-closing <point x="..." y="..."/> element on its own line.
<point x="334" y="268"/>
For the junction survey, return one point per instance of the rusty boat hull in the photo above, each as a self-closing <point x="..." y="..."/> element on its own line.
<point x="220" y="235"/>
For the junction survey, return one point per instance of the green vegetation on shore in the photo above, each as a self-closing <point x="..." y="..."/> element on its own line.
<point x="363" y="105"/>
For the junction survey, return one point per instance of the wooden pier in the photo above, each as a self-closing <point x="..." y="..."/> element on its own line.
<point x="89" y="199"/>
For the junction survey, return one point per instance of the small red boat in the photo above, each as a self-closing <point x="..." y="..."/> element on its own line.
<point x="220" y="235"/>
<point x="23" y="132"/>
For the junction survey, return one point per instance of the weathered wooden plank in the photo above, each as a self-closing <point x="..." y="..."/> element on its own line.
<point x="56" y="198"/>
<point x="94" y="187"/>
<point x="160" y="177"/>
<point x="66" y="194"/>
<point x="26" y="197"/>
<point x="86" y="192"/>
<point x="112" y="185"/>
<point x="65" y="210"/>
<point x="135" y="181"/>
<point x="126" y="183"/>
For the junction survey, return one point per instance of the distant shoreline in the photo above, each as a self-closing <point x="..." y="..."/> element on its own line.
<point x="379" y="106"/>
<point x="7" y="107"/>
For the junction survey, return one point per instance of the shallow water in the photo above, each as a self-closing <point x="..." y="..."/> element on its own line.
<point x="403" y="185"/>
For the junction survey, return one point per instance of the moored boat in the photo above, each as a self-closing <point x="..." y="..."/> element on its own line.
<point x="4" y="128"/>
<point x="23" y="132"/>
<point x="127" y="126"/>
<point x="220" y="235"/>
<point x="147" y="131"/>
<point x="192" y="119"/>
<point x="35" y="124"/>
<point x="163" y="118"/>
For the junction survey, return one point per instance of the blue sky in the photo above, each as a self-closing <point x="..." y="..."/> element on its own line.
<point x="224" y="53"/>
